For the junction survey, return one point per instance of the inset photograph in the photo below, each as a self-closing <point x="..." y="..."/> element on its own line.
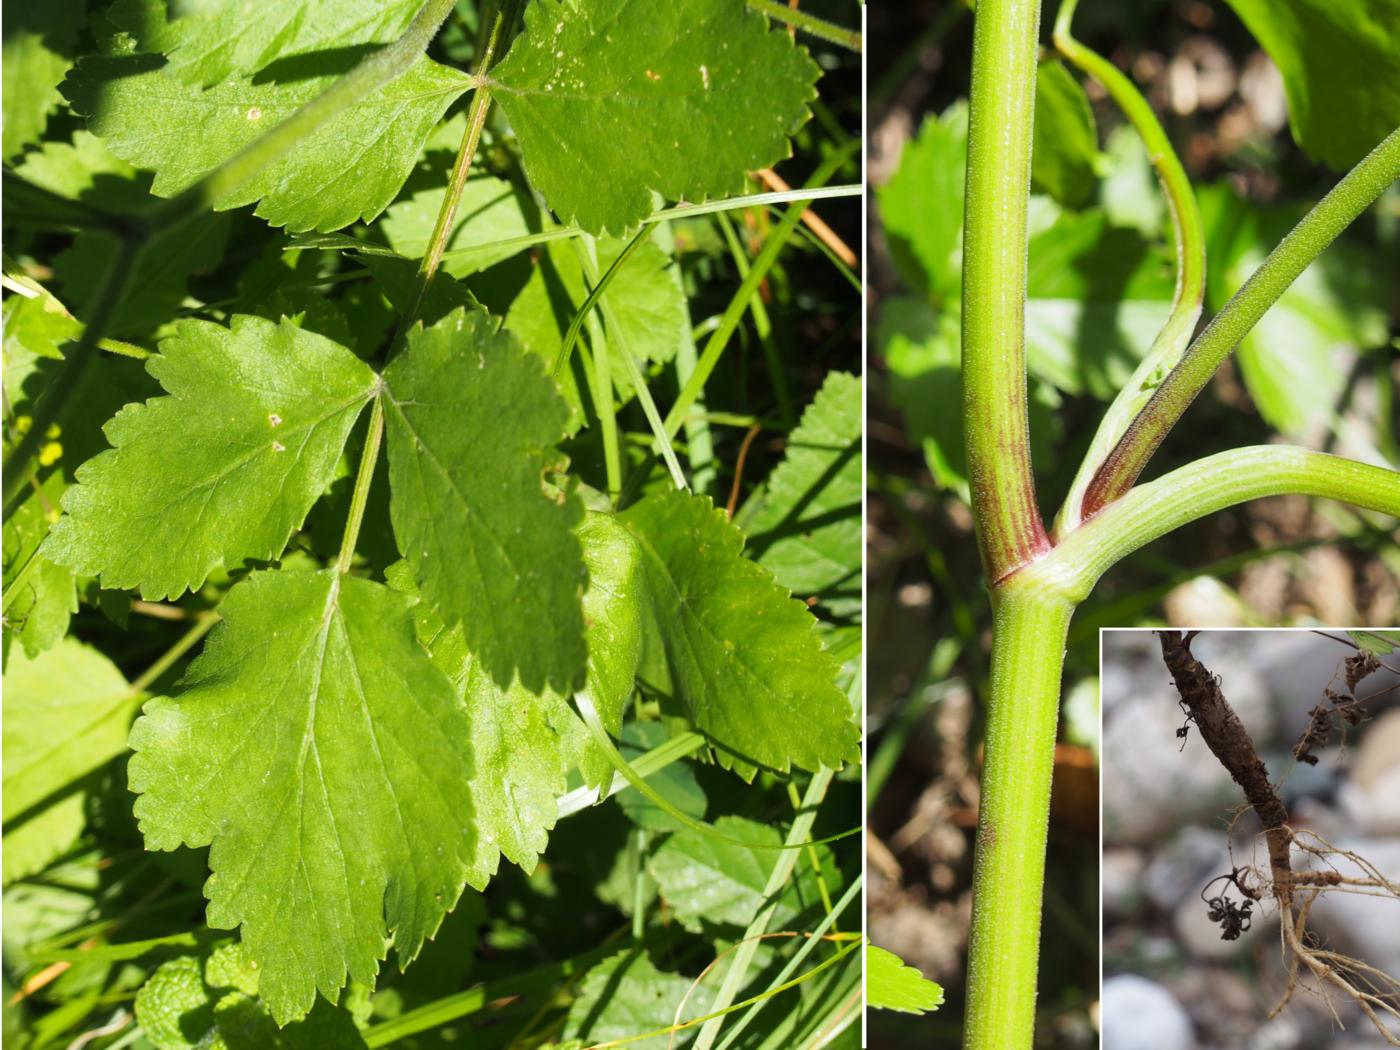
<point x="1251" y="816"/>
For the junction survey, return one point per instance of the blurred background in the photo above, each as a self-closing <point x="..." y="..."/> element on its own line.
<point x="1171" y="982"/>
<point x="1322" y="370"/>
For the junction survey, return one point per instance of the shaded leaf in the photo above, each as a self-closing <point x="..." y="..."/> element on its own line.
<point x="709" y="880"/>
<point x="1340" y="61"/>
<point x="1066" y="138"/>
<point x="921" y="206"/>
<point x="37" y="51"/>
<point x="626" y="995"/>
<point x="807" y="532"/>
<point x="350" y="169"/>
<point x="675" y="783"/>
<point x="649" y="306"/>
<point x="66" y="714"/>
<point x="490" y="210"/>
<point x="491" y="548"/>
<point x="1295" y="361"/>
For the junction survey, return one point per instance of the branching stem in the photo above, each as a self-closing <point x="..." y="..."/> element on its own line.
<point x="1189" y="237"/>
<point x="1328" y="218"/>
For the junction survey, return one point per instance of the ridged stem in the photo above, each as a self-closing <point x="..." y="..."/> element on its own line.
<point x="995" y="423"/>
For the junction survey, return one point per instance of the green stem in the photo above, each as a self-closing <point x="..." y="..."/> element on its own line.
<point x="737" y="972"/>
<point x="588" y="257"/>
<point x="1023" y="704"/>
<point x="344" y="242"/>
<point x="427" y="269"/>
<point x="762" y="324"/>
<point x="813" y="938"/>
<point x="818" y="27"/>
<point x="599" y="286"/>
<point x="700" y="446"/>
<point x="364" y="476"/>
<point x="599" y="367"/>
<point x="656" y="759"/>
<point x="1328" y="218"/>
<point x="1188" y="235"/>
<point x="537" y="982"/>
<point x="466" y="153"/>
<point x="734" y="312"/>
<point x="1208" y="485"/>
<point x="995" y="424"/>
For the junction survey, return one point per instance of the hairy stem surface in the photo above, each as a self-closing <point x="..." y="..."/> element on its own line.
<point x="1023" y="705"/>
<point x="995" y="426"/>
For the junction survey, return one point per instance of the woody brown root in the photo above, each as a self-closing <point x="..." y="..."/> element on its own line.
<point x="1230" y="742"/>
<point x="1377" y="994"/>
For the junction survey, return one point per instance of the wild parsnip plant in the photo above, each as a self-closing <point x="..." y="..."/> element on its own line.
<point x="1037" y="572"/>
<point x="375" y="385"/>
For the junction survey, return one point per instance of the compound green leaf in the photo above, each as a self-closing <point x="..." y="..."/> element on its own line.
<point x="153" y="116"/>
<point x="66" y="713"/>
<point x="37" y="51"/>
<point x="891" y="985"/>
<point x="807" y="532"/>
<point x="1066" y="138"/>
<point x="739" y="653"/>
<point x="326" y="761"/>
<point x="1379" y="643"/>
<point x="225" y="468"/>
<point x="170" y="1002"/>
<point x="707" y="879"/>
<point x="720" y="91"/>
<point x="625" y="995"/>
<point x="1340" y="61"/>
<point x="472" y="421"/>
<point x="189" y="1005"/>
